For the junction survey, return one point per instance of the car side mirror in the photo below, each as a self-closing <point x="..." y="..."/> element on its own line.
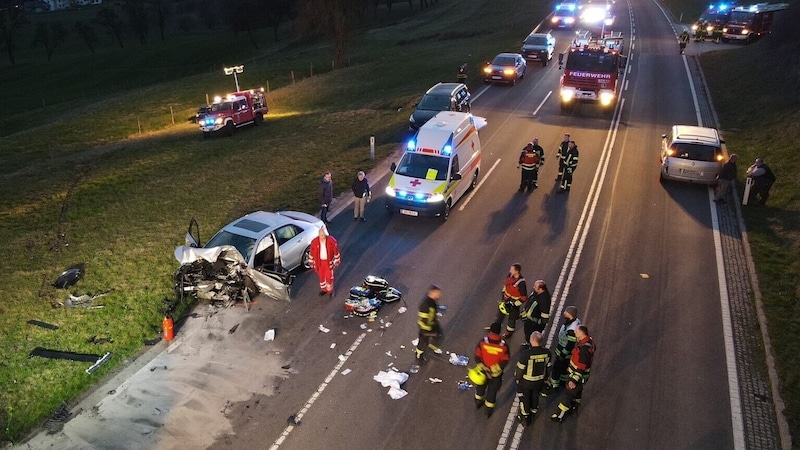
<point x="393" y="167"/>
<point x="455" y="177"/>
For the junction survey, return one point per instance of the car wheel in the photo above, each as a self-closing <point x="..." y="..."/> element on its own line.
<point x="259" y="118"/>
<point x="446" y="212"/>
<point x="544" y="63"/>
<point x="474" y="180"/>
<point x="229" y="128"/>
<point x="305" y="261"/>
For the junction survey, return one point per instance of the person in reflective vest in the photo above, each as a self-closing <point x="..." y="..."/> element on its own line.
<point x="325" y="258"/>
<point x="570" y="160"/>
<point x="532" y="370"/>
<point x="536" y="311"/>
<point x="515" y="292"/>
<point x="429" y="327"/>
<point x="580" y="364"/>
<point x="561" y="355"/>
<point x="683" y="40"/>
<point x="530" y="160"/>
<point x="562" y="150"/>
<point x="492" y="356"/>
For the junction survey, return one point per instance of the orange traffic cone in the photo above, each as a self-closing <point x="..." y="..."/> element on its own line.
<point x="168" y="324"/>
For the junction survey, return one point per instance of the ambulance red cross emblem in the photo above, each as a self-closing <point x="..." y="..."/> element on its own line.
<point x="415" y="182"/>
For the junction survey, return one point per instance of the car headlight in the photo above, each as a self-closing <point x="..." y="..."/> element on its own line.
<point x="606" y="98"/>
<point x="694" y="27"/>
<point x="709" y="29"/>
<point x="487" y="70"/>
<point x="554" y="19"/>
<point x="435" y="198"/>
<point x="390" y="191"/>
<point x="567" y="94"/>
<point x="569" y="20"/>
<point x="218" y="121"/>
<point x="508" y="72"/>
<point x="745" y="31"/>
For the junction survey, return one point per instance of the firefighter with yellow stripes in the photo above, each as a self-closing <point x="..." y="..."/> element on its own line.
<point x="536" y="311"/>
<point x="492" y="356"/>
<point x="514" y="294"/>
<point x="429" y="327"/>
<point x="532" y="370"/>
<point x="570" y="161"/>
<point x="530" y="160"/>
<point x="561" y="355"/>
<point x="580" y="364"/>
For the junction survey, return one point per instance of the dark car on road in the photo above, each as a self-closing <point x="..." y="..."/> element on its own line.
<point x="505" y="68"/>
<point x="539" y="47"/>
<point x="440" y="97"/>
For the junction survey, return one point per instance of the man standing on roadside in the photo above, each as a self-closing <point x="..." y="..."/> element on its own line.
<point x="562" y="150"/>
<point x="492" y="356"/>
<point x="514" y="294"/>
<point x="580" y="364"/>
<point x="325" y="258"/>
<point x="566" y="342"/>
<point x="570" y="161"/>
<point x="532" y="370"/>
<point x="726" y="176"/>
<point x="536" y="311"/>
<point x="362" y="195"/>
<point x="325" y="196"/>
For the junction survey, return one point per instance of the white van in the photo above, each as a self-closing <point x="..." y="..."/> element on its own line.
<point x="691" y="153"/>
<point x="440" y="164"/>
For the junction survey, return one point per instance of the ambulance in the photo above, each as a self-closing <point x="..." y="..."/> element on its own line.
<point x="440" y="164"/>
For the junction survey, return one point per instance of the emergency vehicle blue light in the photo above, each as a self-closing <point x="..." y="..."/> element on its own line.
<point x="447" y="149"/>
<point x="419" y="196"/>
<point x="412" y="145"/>
<point x="402" y="193"/>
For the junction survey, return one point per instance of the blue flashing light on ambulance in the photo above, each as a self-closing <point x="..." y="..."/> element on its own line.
<point x="440" y="164"/>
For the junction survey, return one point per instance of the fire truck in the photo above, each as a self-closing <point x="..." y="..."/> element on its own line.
<point x="233" y="111"/>
<point x="748" y="23"/>
<point x="592" y="72"/>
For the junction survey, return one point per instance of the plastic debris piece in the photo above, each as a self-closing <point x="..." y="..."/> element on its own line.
<point x="269" y="335"/>
<point x="644" y="275"/>
<point x="390" y="365"/>
<point x="333" y="345"/>
<point x="323" y="329"/>
<point x="402" y="346"/>
<point x="414" y="368"/>
<point x="389" y="354"/>
<point x="292" y="420"/>
<point x="463" y="386"/>
<point x="388" y="324"/>
<point x="391" y="379"/>
<point x="397" y="393"/>
<point x="435" y="380"/>
<point x="363" y="326"/>
<point x="346" y="371"/>
<point x="442" y="307"/>
<point x="458" y="360"/>
<point x="402" y="309"/>
<point x="415" y="342"/>
<point x="233" y="329"/>
<point x="438" y="351"/>
<point x="286" y="366"/>
<point x="344" y="332"/>
<point x="342" y="358"/>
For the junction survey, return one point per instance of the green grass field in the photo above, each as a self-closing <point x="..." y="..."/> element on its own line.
<point x="82" y="184"/>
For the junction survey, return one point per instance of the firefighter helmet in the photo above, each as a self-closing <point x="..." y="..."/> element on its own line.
<point x="477" y="376"/>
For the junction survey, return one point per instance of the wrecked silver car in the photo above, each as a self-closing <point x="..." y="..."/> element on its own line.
<point x="253" y="254"/>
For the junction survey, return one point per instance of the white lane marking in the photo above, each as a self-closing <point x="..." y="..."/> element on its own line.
<point x="694" y="92"/>
<point x="541" y="104"/>
<point x="317" y="393"/>
<point x="626" y="85"/>
<point x="471" y="194"/>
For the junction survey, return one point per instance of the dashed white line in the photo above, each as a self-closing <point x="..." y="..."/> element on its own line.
<point x="541" y="104"/>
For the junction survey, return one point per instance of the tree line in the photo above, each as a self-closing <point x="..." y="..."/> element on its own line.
<point x="334" y="20"/>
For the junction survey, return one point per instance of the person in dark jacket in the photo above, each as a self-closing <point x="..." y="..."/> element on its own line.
<point x="763" y="179"/>
<point x="562" y="150"/>
<point x="325" y="196"/>
<point x="570" y="161"/>
<point x="533" y="368"/>
<point x="726" y="176"/>
<point x="536" y="312"/>
<point x="362" y="195"/>
<point x="428" y="323"/>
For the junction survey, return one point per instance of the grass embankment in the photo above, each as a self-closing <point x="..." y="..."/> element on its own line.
<point x="80" y="184"/>
<point x="756" y="90"/>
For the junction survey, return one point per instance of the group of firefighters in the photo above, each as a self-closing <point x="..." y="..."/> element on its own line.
<point x="537" y="373"/>
<point x="531" y="158"/>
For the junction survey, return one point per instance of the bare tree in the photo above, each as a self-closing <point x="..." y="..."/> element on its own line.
<point x="275" y="11"/>
<point x="87" y="33"/>
<point x="136" y="11"/>
<point x="108" y="19"/>
<point x="163" y="11"/>
<point x="11" y="18"/>
<point x="244" y="15"/>
<point x="50" y="37"/>
<point x="335" y="19"/>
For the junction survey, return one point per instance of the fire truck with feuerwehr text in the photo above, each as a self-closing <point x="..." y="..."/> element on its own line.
<point x="592" y="72"/>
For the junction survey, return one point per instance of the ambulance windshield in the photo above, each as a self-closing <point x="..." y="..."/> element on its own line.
<point x="420" y="165"/>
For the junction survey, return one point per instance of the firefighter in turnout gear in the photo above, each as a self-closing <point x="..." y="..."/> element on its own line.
<point x="562" y="150"/>
<point x="566" y="342"/>
<point x="429" y="328"/>
<point x="580" y="364"/>
<point x="536" y="311"/>
<point x="515" y="292"/>
<point x="530" y="160"/>
<point x="492" y="356"/>
<point x="570" y="160"/>
<point x="683" y="39"/>
<point x="532" y="370"/>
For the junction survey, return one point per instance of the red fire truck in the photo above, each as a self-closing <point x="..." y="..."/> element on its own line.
<point x="233" y="111"/>
<point x="748" y="23"/>
<point x="592" y="72"/>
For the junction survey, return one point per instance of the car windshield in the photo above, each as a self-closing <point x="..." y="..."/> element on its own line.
<point x="741" y="17"/>
<point x="536" y="40"/>
<point x="242" y="243"/>
<point x="434" y="102"/>
<point x="420" y="165"/>
<point x="503" y="61"/>
<point x="695" y="152"/>
<point x="591" y="61"/>
<point x="222" y="106"/>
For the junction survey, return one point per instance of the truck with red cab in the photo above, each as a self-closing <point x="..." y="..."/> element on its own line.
<point x="592" y="72"/>
<point x="233" y="111"/>
<point x="748" y="23"/>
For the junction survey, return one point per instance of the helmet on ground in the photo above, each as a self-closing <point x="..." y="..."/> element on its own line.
<point x="477" y="376"/>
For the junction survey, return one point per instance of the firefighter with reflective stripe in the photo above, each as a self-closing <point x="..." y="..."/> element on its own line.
<point x="570" y="160"/>
<point x="492" y="356"/>
<point x="515" y="292"/>
<point x="580" y="364"/>
<point x="536" y="311"/>
<point x="566" y="342"/>
<point x="683" y="40"/>
<point x="530" y="160"/>
<point x="429" y="327"/>
<point x="562" y="150"/>
<point x="532" y="370"/>
<point x="325" y="258"/>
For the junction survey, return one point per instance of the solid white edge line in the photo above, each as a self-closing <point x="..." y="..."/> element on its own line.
<point x="737" y="421"/>
<point x="694" y="91"/>
<point x="471" y="194"/>
<point x="541" y="104"/>
<point x="318" y="392"/>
